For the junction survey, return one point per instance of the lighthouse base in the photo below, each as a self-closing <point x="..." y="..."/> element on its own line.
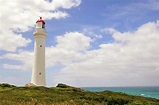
<point x="30" y="85"/>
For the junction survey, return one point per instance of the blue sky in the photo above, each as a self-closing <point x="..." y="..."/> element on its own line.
<point x="89" y="42"/>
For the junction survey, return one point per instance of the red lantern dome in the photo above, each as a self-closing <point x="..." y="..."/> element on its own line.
<point x="40" y="20"/>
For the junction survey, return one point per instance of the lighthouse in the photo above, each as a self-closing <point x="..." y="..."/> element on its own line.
<point x="38" y="70"/>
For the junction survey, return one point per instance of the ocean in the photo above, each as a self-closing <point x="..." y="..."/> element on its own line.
<point x="152" y="92"/>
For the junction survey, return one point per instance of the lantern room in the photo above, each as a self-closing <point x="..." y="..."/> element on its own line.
<point x="40" y="23"/>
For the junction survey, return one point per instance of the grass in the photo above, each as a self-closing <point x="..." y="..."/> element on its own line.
<point x="66" y="95"/>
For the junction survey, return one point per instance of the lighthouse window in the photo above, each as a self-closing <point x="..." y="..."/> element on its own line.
<point x="39" y="73"/>
<point x="40" y="45"/>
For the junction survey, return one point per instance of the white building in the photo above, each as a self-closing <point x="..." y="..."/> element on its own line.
<point x="38" y="71"/>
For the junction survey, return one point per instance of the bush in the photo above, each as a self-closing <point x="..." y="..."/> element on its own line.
<point x="67" y="95"/>
<point x="60" y="85"/>
<point x="5" y="85"/>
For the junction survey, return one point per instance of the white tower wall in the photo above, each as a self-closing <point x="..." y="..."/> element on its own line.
<point x="38" y="72"/>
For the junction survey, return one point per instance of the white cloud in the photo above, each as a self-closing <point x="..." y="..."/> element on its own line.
<point x="10" y="41"/>
<point x="73" y="41"/>
<point x="151" y="4"/>
<point x="25" y="59"/>
<point x="66" y="4"/>
<point x="20" y="16"/>
<point x="69" y="48"/>
<point x="92" y="31"/>
<point x="63" y="53"/>
<point x="9" y="66"/>
<point x="58" y="56"/>
<point x="132" y="59"/>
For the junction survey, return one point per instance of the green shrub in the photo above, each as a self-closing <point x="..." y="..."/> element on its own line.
<point x="67" y="95"/>
<point x="5" y="85"/>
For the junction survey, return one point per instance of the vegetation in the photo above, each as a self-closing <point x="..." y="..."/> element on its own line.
<point x="66" y="95"/>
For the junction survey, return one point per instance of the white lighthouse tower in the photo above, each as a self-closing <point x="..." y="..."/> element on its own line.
<point x="38" y="71"/>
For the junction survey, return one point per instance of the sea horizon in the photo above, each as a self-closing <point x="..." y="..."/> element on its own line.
<point x="114" y="86"/>
<point x="145" y="91"/>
